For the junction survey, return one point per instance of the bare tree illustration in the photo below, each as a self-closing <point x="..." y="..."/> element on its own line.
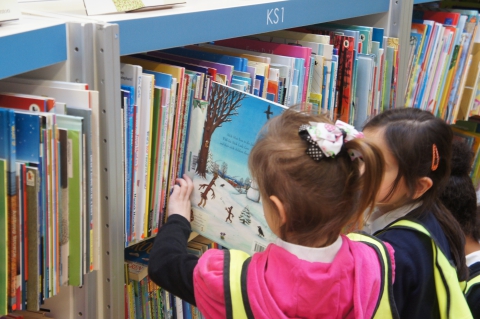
<point x="223" y="104"/>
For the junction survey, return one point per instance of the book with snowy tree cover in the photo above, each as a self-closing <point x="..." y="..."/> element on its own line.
<point x="226" y="204"/>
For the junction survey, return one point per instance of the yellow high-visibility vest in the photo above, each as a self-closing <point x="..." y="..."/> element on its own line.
<point x="235" y="281"/>
<point x="473" y="280"/>
<point x="450" y="292"/>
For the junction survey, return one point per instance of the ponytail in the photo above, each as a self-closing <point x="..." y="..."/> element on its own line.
<point x="367" y="184"/>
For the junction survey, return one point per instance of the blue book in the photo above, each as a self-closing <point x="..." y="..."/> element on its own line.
<point x="299" y="66"/>
<point x="161" y="79"/>
<point x="128" y="98"/>
<point x="333" y="85"/>
<point x="261" y="78"/>
<point x="377" y="35"/>
<point x="239" y="64"/>
<point x="8" y="153"/>
<point x="187" y="311"/>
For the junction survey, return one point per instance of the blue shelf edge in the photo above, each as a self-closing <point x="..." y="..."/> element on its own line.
<point x="190" y="28"/>
<point x="31" y="50"/>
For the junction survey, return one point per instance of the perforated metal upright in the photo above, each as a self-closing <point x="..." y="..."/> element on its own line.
<point x="107" y="57"/>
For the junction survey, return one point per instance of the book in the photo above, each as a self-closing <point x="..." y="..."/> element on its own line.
<point x="33" y="237"/>
<point x="87" y="184"/>
<point x="9" y="10"/>
<point x="137" y="257"/>
<point x="225" y="201"/>
<point x="96" y="7"/>
<point x="76" y="220"/>
<point x="3" y="242"/>
<point x="8" y="153"/>
<point x="26" y="102"/>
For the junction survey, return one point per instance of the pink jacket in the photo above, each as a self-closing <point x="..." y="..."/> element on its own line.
<point x="280" y="285"/>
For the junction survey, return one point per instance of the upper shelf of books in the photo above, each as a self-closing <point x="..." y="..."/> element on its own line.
<point x="208" y="20"/>
<point x="31" y="43"/>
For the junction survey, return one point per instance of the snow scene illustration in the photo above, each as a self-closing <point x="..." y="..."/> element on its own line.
<point x="226" y="204"/>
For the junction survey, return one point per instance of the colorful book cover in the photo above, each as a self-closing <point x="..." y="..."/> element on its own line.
<point x="225" y="201"/>
<point x="26" y="102"/>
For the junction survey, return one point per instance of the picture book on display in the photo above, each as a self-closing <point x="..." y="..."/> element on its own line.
<point x="95" y="7"/>
<point x="226" y="203"/>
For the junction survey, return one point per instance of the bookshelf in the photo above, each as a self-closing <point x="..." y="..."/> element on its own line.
<point x="54" y="49"/>
<point x="91" y="46"/>
<point x="35" y="43"/>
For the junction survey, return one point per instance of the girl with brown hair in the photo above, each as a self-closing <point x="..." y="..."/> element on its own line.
<point x="427" y="240"/>
<point x="311" y="187"/>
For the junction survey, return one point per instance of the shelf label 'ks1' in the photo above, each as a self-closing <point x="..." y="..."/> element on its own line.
<point x="275" y="16"/>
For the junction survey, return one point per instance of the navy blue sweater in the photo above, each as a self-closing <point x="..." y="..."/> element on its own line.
<point x="414" y="286"/>
<point x="473" y="298"/>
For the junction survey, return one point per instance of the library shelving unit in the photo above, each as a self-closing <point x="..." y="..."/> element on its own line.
<point x="107" y="37"/>
<point x="53" y="49"/>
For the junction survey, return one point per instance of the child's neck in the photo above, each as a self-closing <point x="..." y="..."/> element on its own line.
<point x="318" y="243"/>
<point x="382" y="209"/>
<point x="471" y="245"/>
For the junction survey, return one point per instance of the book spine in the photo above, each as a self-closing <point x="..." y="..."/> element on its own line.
<point x="4" y="231"/>
<point x="12" y="210"/>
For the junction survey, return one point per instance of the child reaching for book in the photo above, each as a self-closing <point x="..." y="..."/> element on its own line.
<point x="308" y="174"/>
<point x="416" y="147"/>
<point x="460" y="198"/>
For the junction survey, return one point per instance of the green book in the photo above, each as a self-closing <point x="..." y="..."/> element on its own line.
<point x="76" y="213"/>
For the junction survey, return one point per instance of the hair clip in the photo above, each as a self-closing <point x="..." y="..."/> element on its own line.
<point x="313" y="150"/>
<point x="327" y="140"/>
<point x="435" y="158"/>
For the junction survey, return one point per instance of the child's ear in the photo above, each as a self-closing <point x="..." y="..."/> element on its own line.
<point x="280" y="209"/>
<point x="423" y="185"/>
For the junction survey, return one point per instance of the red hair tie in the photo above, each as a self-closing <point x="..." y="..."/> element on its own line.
<point x="435" y="158"/>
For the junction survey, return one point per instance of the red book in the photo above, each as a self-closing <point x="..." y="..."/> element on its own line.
<point x="26" y="102"/>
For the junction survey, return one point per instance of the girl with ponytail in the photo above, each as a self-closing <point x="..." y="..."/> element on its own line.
<point x="309" y="175"/>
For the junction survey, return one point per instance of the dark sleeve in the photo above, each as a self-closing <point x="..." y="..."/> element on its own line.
<point x="414" y="286"/>
<point x="170" y="266"/>
<point x="473" y="300"/>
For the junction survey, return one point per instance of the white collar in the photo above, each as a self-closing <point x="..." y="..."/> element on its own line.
<point x="472" y="258"/>
<point x="323" y="254"/>
<point x="376" y="223"/>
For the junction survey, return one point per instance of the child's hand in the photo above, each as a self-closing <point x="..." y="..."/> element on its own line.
<point x="179" y="202"/>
